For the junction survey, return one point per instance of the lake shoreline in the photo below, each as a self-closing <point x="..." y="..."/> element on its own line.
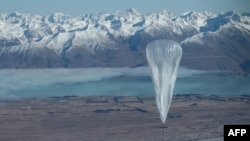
<point x="145" y="96"/>
<point x="38" y="83"/>
<point x="110" y="118"/>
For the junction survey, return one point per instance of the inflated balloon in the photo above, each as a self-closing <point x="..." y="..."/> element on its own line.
<point x="163" y="59"/>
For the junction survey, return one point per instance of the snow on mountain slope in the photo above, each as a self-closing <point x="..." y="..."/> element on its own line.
<point x="23" y="29"/>
<point x="220" y="24"/>
<point x="197" y="19"/>
<point x="117" y="39"/>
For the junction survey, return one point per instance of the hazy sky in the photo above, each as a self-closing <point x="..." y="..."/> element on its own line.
<point x="79" y="7"/>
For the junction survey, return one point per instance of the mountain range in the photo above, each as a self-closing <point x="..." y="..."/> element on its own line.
<point x="209" y="41"/>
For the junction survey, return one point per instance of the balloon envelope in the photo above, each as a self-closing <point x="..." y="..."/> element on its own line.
<point x="163" y="58"/>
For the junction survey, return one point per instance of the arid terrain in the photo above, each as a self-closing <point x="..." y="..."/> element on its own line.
<point x="72" y="118"/>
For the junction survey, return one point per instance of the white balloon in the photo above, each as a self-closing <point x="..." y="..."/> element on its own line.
<point x="163" y="59"/>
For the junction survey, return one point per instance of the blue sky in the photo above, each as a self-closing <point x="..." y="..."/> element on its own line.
<point x="79" y="7"/>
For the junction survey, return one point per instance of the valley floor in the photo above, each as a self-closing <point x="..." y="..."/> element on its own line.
<point x="191" y="117"/>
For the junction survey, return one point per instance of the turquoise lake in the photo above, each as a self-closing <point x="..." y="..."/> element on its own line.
<point x="43" y="83"/>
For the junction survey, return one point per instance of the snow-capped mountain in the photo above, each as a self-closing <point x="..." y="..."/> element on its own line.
<point x="209" y="41"/>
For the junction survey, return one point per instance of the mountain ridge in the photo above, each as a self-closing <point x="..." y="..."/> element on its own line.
<point x="119" y="39"/>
